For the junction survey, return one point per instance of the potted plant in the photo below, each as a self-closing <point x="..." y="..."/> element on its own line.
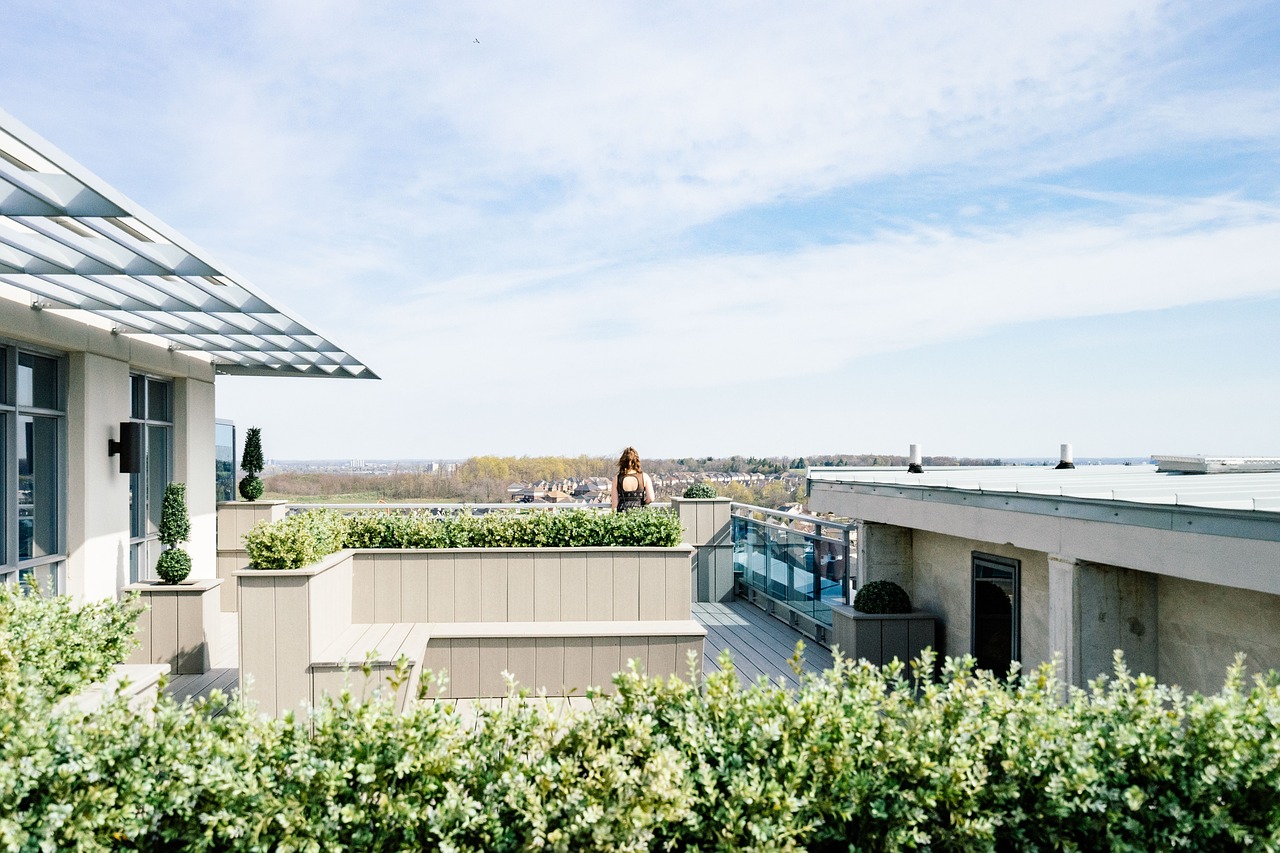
<point x="881" y="625"/>
<point x="701" y="489"/>
<point x="175" y="526"/>
<point x="251" y="463"/>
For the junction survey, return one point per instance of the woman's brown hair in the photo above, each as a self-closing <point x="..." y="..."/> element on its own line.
<point x="630" y="461"/>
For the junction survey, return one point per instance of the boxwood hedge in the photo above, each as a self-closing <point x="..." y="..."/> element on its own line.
<point x="303" y="538"/>
<point x="859" y="758"/>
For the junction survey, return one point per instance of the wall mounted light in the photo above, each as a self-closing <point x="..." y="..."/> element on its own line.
<point x="129" y="447"/>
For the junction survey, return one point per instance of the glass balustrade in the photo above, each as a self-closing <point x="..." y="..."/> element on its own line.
<point x="802" y="562"/>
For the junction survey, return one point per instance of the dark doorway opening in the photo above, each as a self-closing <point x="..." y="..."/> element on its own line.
<point x="995" y="610"/>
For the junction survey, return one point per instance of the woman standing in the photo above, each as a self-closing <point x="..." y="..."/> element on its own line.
<point x="632" y="489"/>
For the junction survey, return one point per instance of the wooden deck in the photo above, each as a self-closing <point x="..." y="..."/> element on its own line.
<point x="760" y="645"/>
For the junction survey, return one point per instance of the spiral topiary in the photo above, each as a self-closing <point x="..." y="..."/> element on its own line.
<point x="175" y="526"/>
<point x="701" y="489"/>
<point x="174" y="565"/>
<point x="251" y="463"/>
<point x="882" y="597"/>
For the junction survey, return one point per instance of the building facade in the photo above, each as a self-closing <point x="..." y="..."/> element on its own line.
<point x="113" y="328"/>
<point x="1181" y="572"/>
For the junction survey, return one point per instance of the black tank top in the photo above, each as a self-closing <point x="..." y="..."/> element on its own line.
<point x="633" y="499"/>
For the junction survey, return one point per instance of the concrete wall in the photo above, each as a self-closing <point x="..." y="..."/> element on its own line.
<point x="1202" y="626"/>
<point x="1163" y="545"/>
<point x="943" y="585"/>
<point x="97" y="495"/>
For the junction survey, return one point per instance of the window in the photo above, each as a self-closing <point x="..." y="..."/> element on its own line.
<point x="150" y="404"/>
<point x="225" y="452"/>
<point x="995" y="610"/>
<point x="33" y="438"/>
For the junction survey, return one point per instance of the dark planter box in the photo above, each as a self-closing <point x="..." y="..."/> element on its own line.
<point x="881" y="637"/>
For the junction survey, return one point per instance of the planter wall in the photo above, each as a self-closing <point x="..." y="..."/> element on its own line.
<point x="235" y="518"/>
<point x="707" y="527"/>
<point x="881" y="637"/>
<point x="139" y="682"/>
<point x="179" y="626"/>
<point x="477" y="611"/>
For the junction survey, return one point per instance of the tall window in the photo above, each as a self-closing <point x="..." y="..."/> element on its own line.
<point x="151" y="404"/>
<point x="33" y="435"/>
<point x="996" y="611"/>
<point x="225" y="453"/>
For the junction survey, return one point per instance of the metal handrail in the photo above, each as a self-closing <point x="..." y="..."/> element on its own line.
<point x="459" y="507"/>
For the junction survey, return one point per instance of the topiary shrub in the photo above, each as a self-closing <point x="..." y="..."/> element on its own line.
<point x="175" y="527"/>
<point x="701" y="489"/>
<point x="174" y="565"/>
<point x="251" y="463"/>
<point x="882" y="597"/>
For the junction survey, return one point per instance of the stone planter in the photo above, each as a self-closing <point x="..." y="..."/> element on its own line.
<point x="180" y="626"/>
<point x="559" y="619"/>
<point x="705" y="520"/>
<point x="881" y="637"/>
<point x="235" y="518"/>
<point x="706" y="523"/>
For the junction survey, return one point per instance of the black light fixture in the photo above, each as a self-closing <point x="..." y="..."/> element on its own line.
<point x="129" y="447"/>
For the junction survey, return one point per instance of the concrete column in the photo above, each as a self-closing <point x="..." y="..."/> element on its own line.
<point x="97" y="511"/>
<point x="1117" y="610"/>
<point x="1063" y="617"/>
<point x="194" y="463"/>
<point x="1096" y="609"/>
<point x="885" y="554"/>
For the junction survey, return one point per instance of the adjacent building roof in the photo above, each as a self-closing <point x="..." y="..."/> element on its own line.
<point x="75" y="244"/>
<point x="1141" y="484"/>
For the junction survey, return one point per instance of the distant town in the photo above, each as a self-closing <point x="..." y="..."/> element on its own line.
<point x="774" y="482"/>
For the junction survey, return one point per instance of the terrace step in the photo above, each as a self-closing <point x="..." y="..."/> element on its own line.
<point x="379" y="645"/>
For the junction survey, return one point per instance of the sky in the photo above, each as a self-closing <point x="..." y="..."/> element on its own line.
<point x="704" y="229"/>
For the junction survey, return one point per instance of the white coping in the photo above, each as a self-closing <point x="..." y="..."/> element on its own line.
<point x="499" y="630"/>
<point x="1129" y="483"/>
<point x="337" y="557"/>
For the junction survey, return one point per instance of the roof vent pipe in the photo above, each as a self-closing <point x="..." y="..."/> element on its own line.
<point x="1065" y="458"/>
<point x="914" y="466"/>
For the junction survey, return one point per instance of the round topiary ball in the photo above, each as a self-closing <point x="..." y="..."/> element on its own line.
<point x="251" y="488"/>
<point x="882" y="597"/>
<point x="174" y="565"/>
<point x="700" y="490"/>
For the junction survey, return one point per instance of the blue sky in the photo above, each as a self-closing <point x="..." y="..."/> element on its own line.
<point x="711" y="228"/>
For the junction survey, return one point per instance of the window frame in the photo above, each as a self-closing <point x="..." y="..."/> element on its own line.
<point x="13" y="569"/>
<point x="143" y="547"/>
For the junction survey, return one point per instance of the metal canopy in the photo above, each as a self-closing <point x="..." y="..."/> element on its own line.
<point x="76" y="244"/>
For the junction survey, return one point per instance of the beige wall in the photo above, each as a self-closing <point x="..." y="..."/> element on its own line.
<point x="942" y="585"/>
<point x="194" y="463"/>
<point x="97" y="495"/>
<point x="1202" y="626"/>
<point x="97" y="510"/>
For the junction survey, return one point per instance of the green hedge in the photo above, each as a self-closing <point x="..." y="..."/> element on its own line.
<point x="54" y="647"/>
<point x="859" y="759"/>
<point x="303" y="538"/>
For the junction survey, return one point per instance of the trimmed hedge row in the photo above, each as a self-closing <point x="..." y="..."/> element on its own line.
<point x="859" y="759"/>
<point x="303" y="538"/>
